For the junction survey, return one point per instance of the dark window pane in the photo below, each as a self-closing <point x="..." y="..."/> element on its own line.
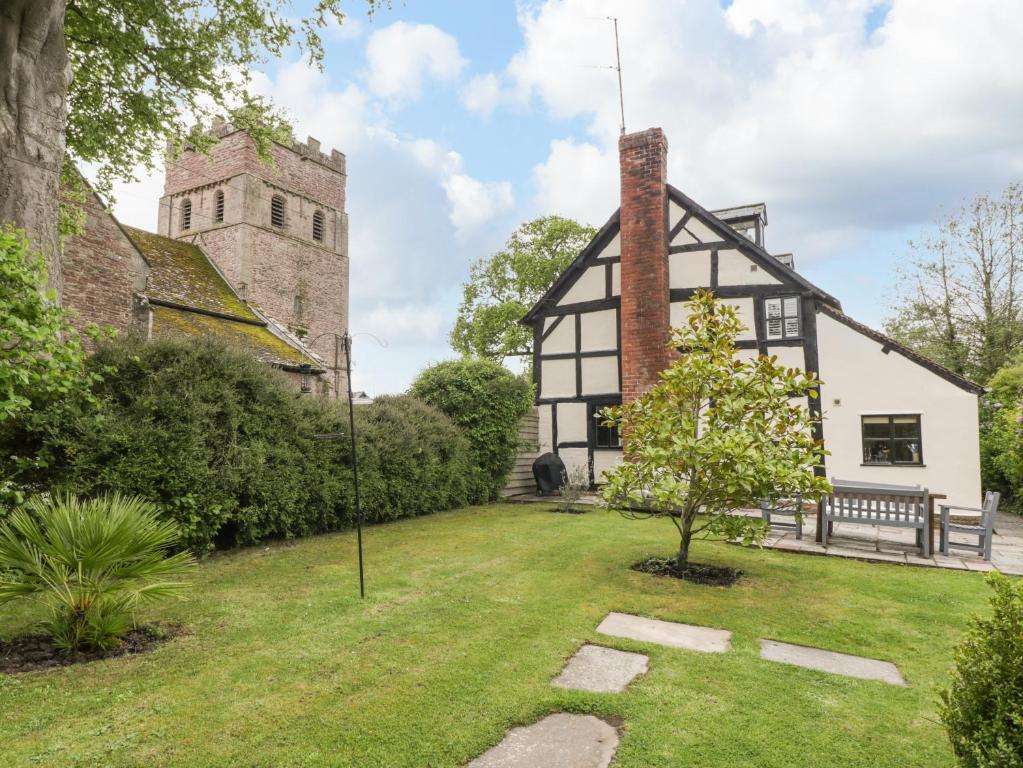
<point x="906" y="426"/>
<point x="874" y="427"/>
<point x="876" y="451"/>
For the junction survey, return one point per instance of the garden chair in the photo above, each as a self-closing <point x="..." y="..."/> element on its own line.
<point x="982" y="526"/>
<point x="784" y="508"/>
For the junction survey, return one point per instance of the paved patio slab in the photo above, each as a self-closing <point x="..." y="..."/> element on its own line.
<point x="668" y="633"/>
<point x="831" y="661"/>
<point x="601" y="670"/>
<point x="558" y="741"/>
<point x="893" y="545"/>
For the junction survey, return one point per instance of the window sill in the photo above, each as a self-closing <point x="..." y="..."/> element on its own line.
<point x="894" y="465"/>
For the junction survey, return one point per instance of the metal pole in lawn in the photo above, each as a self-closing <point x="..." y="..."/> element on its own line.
<point x="355" y="459"/>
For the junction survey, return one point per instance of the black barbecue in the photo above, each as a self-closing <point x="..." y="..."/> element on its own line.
<point x="549" y="473"/>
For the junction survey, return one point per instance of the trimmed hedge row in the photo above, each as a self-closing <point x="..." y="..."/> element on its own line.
<point x="488" y="402"/>
<point x="225" y="448"/>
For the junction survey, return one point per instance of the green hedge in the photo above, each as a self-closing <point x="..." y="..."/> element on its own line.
<point x="487" y="401"/>
<point x="223" y="446"/>
<point x="982" y="708"/>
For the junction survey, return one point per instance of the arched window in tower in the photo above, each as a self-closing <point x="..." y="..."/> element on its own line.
<point x="277" y="211"/>
<point x="318" y="226"/>
<point x="218" y="206"/>
<point x="186" y="214"/>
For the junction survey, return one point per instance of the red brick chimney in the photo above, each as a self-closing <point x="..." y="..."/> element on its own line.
<point x="646" y="297"/>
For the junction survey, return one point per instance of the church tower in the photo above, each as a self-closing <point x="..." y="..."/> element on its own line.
<point x="278" y="233"/>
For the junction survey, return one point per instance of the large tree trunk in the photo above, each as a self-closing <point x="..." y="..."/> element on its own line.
<point x="34" y="76"/>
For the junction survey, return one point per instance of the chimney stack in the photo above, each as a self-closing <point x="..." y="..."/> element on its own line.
<point x="646" y="298"/>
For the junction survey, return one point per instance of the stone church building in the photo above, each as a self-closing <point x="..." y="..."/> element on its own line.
<point x="253" y="254"/>
<point x="889" y="415"/>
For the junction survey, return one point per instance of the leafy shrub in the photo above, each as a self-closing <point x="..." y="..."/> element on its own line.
<point x="487" y="401"/>
<point x="41" y="353"/>
<point x="224" y="447"/>
<point x="412" y="459"/>
<point x="90" y="563"/>
<point x="982" y="709"/>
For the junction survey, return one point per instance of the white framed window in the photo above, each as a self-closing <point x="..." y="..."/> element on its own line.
<point x="781" y="318"/>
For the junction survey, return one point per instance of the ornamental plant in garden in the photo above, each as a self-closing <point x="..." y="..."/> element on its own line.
<point x="90" y="564"/>
<point x="716" y="435"/>
<point x="982" y="709"/>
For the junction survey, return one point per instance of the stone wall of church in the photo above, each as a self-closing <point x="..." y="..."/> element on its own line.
<point x="102" y="271"/>
<point x="302" y="169"/>
<point x="293" y="271"/>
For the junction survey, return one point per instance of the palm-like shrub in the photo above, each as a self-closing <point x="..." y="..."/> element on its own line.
<point x="90" y="563"/>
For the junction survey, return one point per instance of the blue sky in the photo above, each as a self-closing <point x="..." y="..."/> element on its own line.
<point x="858" y="122"/>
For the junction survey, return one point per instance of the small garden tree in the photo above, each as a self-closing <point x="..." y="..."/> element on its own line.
<point x="716" y="435"/>
<point x="982" y="709"/>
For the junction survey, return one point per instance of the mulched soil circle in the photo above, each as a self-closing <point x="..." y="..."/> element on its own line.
<point x="32" y="653"/>
<point x="698" y="573"/>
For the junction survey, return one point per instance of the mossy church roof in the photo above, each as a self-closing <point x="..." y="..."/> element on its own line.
<point x="189" y="297"/>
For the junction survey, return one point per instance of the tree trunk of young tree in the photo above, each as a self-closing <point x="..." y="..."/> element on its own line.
<point x="685" y="530"/>
<point x="34" y="77"/>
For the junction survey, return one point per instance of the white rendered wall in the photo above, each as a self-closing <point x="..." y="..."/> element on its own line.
<point x="572" y="426"/>
<point x="866" y="381"/>
<point x="603" y="460"/>
<point x="577" y="462"/>
<point x="546" y="428"/>
<point x="557" y="378"/>
<point x="735" y="268"/>
<point x="598" y="330"/>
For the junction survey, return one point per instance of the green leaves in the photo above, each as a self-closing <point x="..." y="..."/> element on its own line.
<point x="717" y="434"/>
<point x="487" y="401"/>
<point x="41" y="355"/>
<point x="982" y="709"/>
<point x="91" y="563"/>
<point x="503" y="287"/>
<point x="143" y="70"/>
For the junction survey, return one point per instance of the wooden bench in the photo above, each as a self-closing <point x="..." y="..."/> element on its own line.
<point x="882" y="505"/>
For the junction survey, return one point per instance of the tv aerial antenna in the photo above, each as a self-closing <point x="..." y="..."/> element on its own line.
<point x="617" y="66"/>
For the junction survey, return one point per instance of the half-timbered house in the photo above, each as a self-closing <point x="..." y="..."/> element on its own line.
<point x="601" y="334"/>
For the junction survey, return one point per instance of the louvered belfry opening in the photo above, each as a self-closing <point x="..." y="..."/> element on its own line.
<point x="277" y="211"/>
<point x="218" y="214"/>
<point x="318" y="226"/>
<point x="186" y="214"/>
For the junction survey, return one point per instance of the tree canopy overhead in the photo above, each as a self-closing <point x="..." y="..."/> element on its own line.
<point x="145" y="70"/>
<point x="113" y="84"/>
<point x="501" y="288"/>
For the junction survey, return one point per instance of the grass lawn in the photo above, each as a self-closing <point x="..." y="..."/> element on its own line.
<point x="469" y="615"/>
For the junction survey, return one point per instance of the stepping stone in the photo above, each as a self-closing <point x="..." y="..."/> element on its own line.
<point x="558" y="741"/>
<point x="602" y="670"/>
<point x="667" y="633"/>
<point x="830" y="661"/>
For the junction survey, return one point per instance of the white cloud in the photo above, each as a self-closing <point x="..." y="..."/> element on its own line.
<point x="404" y="324"/>
<point x="794" y="103"/>
<point x="482" y="94"/>
<point x="402" y="55"/>
<point x="579" y="181"/>
<point x="475" y="203"/>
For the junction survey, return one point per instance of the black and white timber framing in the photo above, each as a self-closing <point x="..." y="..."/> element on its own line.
<point x="577" y="325"/>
